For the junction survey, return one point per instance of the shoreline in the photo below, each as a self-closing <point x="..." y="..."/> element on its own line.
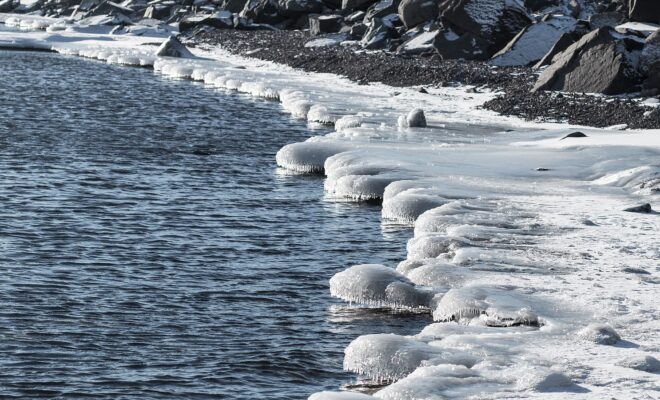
<point x="536" y="186"/>
<point x="514" y="83"/>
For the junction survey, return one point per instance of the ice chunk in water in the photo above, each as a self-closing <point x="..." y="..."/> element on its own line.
<point x="347" y="122"/>
<point x="378" y="285"/>
<point x="309" y="156"/>
<point x="386" y="357"/>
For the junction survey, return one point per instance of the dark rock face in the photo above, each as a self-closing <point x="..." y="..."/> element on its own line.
<point x="644" y="209"/>
<point x="597" y="63"/>
<point x="644" y="10"/>
<point x="495" y="22"/>
<point x="319" y="24"/>
<point x="651" y="86"/>
<point x="415" y="12"/>
<point x="298" y="7"/>
<point x="565" y="40"/>
<point x="377" y="34"/>
<point x="234" y="6"/>
<point x="356" y="4"/>
<point x="381" y="9"/>
<point x="172" y="47"/>
<point x="610" y="19"/>
<point x="219" y="20"/>
<point x="6" y="5"/>
<point x="468" y="46"/>
<point x="157" y="11"/>
<point x="537" y="5"/>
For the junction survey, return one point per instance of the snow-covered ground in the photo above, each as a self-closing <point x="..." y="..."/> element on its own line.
<point x="539" y="283"/>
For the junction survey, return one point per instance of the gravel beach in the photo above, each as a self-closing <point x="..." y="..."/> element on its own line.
<point x="288" y="47"/>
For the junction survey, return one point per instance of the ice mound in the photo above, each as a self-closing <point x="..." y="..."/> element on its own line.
<point x="347" y="122"/>
<point x="430" y="246"/>
<point x="414" y="119"/>
<point x="198" y="73"/>
<point x="495" y="306"/>
<point x="295" y="102"/>
<point x="599" y="334"/>
<point x="179" y="71"/>
<point x="406" y="206"/>
<point x="340" y="396"/>
<point x="320" y="114"/>
<point x="386" y="357"/>
<point x="641" y="363"/>
<point x="644" y="180"/>
<point x="431" y="383"/>
<point x="377" y="285"/>
<point x="438" y="274"/>
<point x="309" y="156"/>
<point x="211" y="76"/>
<point x="540" y="379"/>
<point x="258" y="89"/>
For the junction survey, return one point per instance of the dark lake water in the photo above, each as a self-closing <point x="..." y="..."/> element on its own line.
<point x="150" y="248"/>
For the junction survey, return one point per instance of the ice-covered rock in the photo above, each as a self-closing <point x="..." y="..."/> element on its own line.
<point x="599" y="334"/>
<point x="543" y="380"/>
<point x="641" y="363"/>
<point x="347" y="121"/>
<point x="308" y="157"/>
<point x="386" y="357"/>
<point x="172" y="47"/>
<point x="377" y="285"/>
<point x="431" y="382"/>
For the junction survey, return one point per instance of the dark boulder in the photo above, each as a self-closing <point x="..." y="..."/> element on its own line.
<point x="600" y="62"/>
<point x="262" y="11"/>
<point x="358" y="30"/>
<point x="644" y="11"/>
<point x="292" y="8"/>
<point x="381" y="9"/>
<point x="611" y="19"/>
<point x="644" y="209"/>
<point x="319" y="24"/>
<point x="172" y="47"/>
<point x="356" y="4"/>
<point x="418" y="44"/>
<point x="377" y="35"/>
<point x="564" y="41"/>
<point x="157" y="11"/>
<point x="415" y="12"/>
<point x="355" y="17"/>
<point x="494" y="22"/>
<point x="110" y="8"/>
<point x="537" y="5"/>
<point x="651" y="85"/>
<point x="234" y="6"/>
<point x="450" y="46"/>
<point x="650" y="53"/>
<point x="6" y="5"/>
<point x="533" y="42"/>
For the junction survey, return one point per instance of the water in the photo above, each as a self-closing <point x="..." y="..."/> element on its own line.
<point x="149" y="247"/>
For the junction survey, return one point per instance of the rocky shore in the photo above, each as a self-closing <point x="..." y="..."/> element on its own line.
<point x="515" y="83"/>
<point x="586" y="62"/>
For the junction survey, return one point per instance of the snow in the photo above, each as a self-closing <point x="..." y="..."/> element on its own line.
<point x="519" y="248"/>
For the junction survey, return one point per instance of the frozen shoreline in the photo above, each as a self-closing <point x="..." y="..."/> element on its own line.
<point x="519" y="235"/>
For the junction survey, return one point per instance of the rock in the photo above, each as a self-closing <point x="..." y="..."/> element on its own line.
<point x="449" y="46"/>
<point x="355" y="17"/>
<point x="644" y="209"/>
<point x="356" y="4"/>
<point x="641" y="363"/>
<point x="219" y="20"/>
<point x="415" y="12"/>
<point x="600" y="334"/>
<point x="651" y="85"/>
<point x="419" y="44"/>
<point x="633" y="270"/>
<point x="537" y="5"/>
<point x="495" y="22"/>
<point x="378" y="32"/>
<point x="233" y="6"/>
<point x="262" y="11"/>
<point x="357" y="31"/>
<point x="172" y="47"/>
<point x="6" y="6"/>
<point x="644" y="11"/>
<point x="606" y="19"/>
<point x="600" y="62"/>
<point x="574" y="135"/>
<point x="110" y="8"/>
<point x="650" y="53"/>
<point x="319" y="24"/>
<point x="533" y="42"/>
<point x="157" y="11"/>
<point x="381" y="9"/>
<point x="416" y="118"/>
<point x="574" y="8"/>
<point x="298" y="7"/>
<point x="565" y="40"/>
<point x="328" y="40"/>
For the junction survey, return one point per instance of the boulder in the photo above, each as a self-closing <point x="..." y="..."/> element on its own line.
<point x="356" y="4"/>
<point x="377" y="35"/>
<point x="421" y="43"/>
<point x="219" y="20"/>
<point x="533" y="42"/>
<point x="381" y="9"/>
<point x="651" y="85"/>
<point x="415" y="12"/>
<point x="157" y="11"/>
<point x="650" y="53"/>
<point x="292" y="8"/>
<point x="6" y="5"/>
<point x="319" y="24"/>
<point x="262" y="11"/>
<point x="602" y="61"/>
<point x="610" y="19"/>
<point x="355" y="17"/>
<point x="495" y="22"/>
<point x="644" y="11"/>
<point x="537" y="5"/>
<point x="564" y="41"/>
<point x="172" y="47"/>
<point x="450" y="45"/>
<point x="358" y="30"/>
<point x="109" y="8"/>
<point x="574" y="8"/>
<point x="643" y="209"/>
<point x="234" y="6"/>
